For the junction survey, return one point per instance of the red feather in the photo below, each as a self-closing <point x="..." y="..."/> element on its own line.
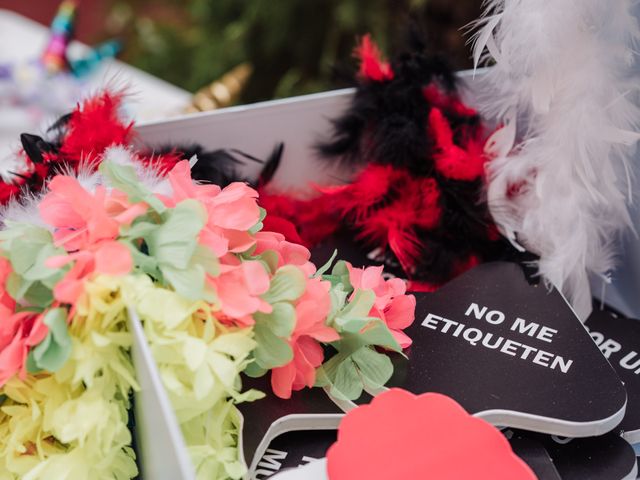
<point x="387" y="206"/>
<point x="372" y="66"/>
<point x="307" y="222"/>
<point x="7" y="192"/>
<point x="94" y="125"/>
<point x="447" y="102"/>
<point x="451" y="160"/>
<point x="369" y="188"/>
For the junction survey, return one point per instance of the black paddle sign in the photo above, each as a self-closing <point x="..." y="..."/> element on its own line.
<point x="513" y="353"/>
<point x="510" y="351"/>
<point x="619" y="340"/>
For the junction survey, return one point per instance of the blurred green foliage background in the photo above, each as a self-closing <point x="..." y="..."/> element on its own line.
<point x="293" y="45"/>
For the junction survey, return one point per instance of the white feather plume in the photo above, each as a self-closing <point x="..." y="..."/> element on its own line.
<point x="561" y="84"/>
<point x="24" y="210"/>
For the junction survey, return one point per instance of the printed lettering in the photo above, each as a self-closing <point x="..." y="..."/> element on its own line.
<point x="431" y="321"/>
<point x="546" y="334"/>
<point x="509" y="347"/>
<point x="521" y="326"/>
<point x="542" y="358"/>
<point x="558" y="361"/>
<point x="269" y="463"/>
<point x="475" y="309"/>
<point x="626" y="362"/>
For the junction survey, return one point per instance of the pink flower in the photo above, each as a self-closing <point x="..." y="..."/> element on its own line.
<point x="20" y="331"/>
<point x="87" y="225"/>
<point x="7" y="303"/>
<point x="231" y="211"/>
<point x="108" y="257"/>
<point x="312" y="310"/>
<point x="288" y="253"/>
<point x="239" y="288"/>
<point x="183" y="187"/>
<point x="79" y="217"/>
<point x="391" y="305"/>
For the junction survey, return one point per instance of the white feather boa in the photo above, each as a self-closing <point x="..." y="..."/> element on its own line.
<point x="562" y="85"/>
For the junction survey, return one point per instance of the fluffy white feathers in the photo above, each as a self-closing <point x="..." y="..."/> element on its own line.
<point x="562" y="85"/>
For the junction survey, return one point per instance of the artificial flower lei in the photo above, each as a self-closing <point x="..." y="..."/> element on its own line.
<point x="217" y="296"/>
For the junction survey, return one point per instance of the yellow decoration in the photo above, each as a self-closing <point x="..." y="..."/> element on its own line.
<point x="73" y="424"/>
<point x="200" y="361"/>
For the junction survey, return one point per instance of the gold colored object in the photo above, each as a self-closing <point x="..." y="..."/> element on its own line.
<point x="222" y="92"/>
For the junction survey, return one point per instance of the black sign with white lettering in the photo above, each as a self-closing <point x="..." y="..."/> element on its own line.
<point x="506" y="348"/>
<point x="512" y="352"/>
<point x="619" y="340"/>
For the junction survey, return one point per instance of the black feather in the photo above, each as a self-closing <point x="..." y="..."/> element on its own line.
<point x="223" y="166"/>
<point x="386" y="121"/>
<point x="35" y="147"/>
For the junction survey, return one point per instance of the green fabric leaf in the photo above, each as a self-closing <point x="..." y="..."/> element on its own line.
<point x="271" y="350"/>
<point x="174" y="242"/>
<point x="139" y="229"/>
<point x="144" y="263"/>
<point x="352" y="325"/>
<point x="29" y="252"/>
<point x="125" y="179"/>
<point x="340" y="276"/>
<point x="270" y="259"/>
<point x="188" y="282"/>
<point x="15" y="286"/>
<point x="28" y="247"/>
<point x="204" y="256"/>
<point x="360" y="305"/>
<point x="52" y="353"/>
<point x="375" y="368"/>
<point x="322" y="380"/>
<point x="23" y="254"/>
<point x="258" y="226"/>
<point x="281" y="321"/>
<point x="329" y="368"/>
<point x="324" y="268"/>
<point x="249" y="396"/>
<point x="254" y="370"/>
<point x="379" y="334"/>
<point x="39" y="294"/>
<point x="355" y="316"/>
<point x="38" y="269"/>
<point x="347" y="384"/>
<point x="338" y="299"/>
<point x="287" y="285"/>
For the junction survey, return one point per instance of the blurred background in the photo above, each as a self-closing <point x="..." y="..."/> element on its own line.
<point x="292" y="46"/>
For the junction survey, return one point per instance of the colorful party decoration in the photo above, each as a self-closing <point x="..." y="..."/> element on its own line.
<point x="413" y="154"/>
<point x="105" y="229"/>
